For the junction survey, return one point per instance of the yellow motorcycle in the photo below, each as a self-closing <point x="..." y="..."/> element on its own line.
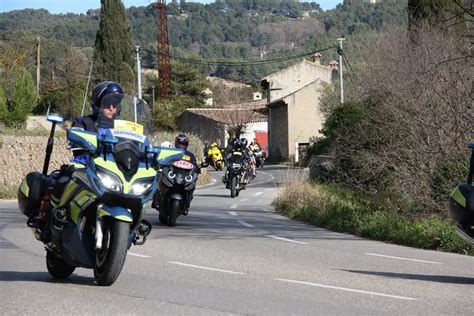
<point x="216" y="159"/>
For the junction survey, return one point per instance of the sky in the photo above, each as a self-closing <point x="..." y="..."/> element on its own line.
<point x="81" y="6"/>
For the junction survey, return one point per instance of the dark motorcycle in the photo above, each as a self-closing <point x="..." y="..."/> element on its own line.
<point x="179" y="179"/>
<point x="461" y="205"/>
<point x="237" y="174"/>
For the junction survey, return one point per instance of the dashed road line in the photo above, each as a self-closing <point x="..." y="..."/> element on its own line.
<point x="233" y="213"/>
<point x="347" y="289"/>
<point x="245" y="224"/>
<point x="258" y="193"/>
<point x="204" y="268"/>
<point x="234" y="206"/>
<point x="400" y="258"/>
<point x="289" y="240"/>
<point x="138" y="255"/>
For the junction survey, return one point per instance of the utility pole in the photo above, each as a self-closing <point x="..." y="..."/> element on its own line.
<point x="153" y="98"/>
<point x="139" y="72"/>
<point x="163" y="50"/>
<point x="341" y="79"/>
<point x="38" y="64"/>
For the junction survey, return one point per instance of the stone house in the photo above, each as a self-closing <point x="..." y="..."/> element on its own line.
<point x="212" y="124"/>
<point x="293" y="106"/>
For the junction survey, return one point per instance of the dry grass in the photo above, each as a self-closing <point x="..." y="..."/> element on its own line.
<point x="344" y="210"/>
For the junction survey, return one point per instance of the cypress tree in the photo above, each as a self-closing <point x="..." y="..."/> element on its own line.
<point x="113" y="55"/>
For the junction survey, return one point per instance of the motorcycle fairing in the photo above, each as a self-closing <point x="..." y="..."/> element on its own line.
<point x="84" y="139"/>
<point x="117" y="212"/>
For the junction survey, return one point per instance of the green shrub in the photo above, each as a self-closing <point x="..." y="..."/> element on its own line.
<point x="449" y="172"/>
<point x="347" y="211"/>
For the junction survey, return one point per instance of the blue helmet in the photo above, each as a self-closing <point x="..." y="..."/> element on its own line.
<point x="101" y="90"/>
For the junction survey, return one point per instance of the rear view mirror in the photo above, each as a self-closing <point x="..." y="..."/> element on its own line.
<point x="55" y="118"/>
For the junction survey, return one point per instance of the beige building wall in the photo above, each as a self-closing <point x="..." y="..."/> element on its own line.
<point x="278" y="131"/>
<point x="304" y="116"/>
<point x="295" y="77"/>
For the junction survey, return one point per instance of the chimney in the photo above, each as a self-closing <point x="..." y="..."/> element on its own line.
<point x="333" y="64"/>
<point x="316" y="58"/>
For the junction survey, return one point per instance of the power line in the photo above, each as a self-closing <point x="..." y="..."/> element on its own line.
<point x="245" y="63"/>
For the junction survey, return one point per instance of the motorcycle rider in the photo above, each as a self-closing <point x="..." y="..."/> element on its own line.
<point x="255" y="146"/>
<point x="250" y="157"/>
<point x="181" y="141"/>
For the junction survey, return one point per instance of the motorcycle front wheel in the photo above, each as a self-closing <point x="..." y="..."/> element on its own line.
<point x="111" y="258"/>
<point x="57" y="267"/>
<point x="174" y="209"/>
<point x="233" y="187"/>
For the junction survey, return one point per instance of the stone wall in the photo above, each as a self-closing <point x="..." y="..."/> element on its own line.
<point x="20" y="155"/>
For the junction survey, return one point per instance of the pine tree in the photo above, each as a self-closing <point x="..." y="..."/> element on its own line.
<point x="113" y="55"/>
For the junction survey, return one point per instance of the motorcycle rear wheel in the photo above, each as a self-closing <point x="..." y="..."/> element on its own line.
<point x="57" y="267"/>
<point x="111" y="258"/>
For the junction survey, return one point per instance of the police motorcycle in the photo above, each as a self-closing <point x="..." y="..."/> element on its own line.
<point x="237" y="174"/>
<point x="461" y="204"/>
<point x="98" y="214"/>
<point x="179" y="179"/>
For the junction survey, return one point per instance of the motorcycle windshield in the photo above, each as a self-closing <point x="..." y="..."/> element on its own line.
<point x="128" y="116"/>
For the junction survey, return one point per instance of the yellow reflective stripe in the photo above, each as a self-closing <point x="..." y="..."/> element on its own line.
<point x="124" y="218"/>
<point x="79" y="200"/>
<point x="77" y="165"/>
<point x="89" y="137"/>
<point x="165" y="153"/>
<point x="103" y="213"/>
<point x="24" y="187"/>
<point x="237" y="153"/>
<point x="75" y="210"/>
<point x="459" y="197"/>
<point x="128" y="126"/>
<point x="71" y="186"/>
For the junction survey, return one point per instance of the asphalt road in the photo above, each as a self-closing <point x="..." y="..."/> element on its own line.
<point x="237" y="256"/>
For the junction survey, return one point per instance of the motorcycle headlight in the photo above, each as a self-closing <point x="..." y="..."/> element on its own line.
<point x="110" y="181"/>
<point x="141" y="186"/>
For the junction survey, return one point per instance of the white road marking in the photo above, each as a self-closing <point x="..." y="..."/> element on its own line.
<point x="245" y="224"/>
<point x="347" y="289"/>
<point x="400" y="258"/>
<point x="244" y="200"/>
<point x="258" y="193"/>
<point x="204" y="268"/>
<point x="233" y="213"/>
<point x="137" y="255"/>
<point x="285" y="239"/>
<point x="234" y="206"/>
<point x="270" y="189"/>
<point x="268" y="180"/>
